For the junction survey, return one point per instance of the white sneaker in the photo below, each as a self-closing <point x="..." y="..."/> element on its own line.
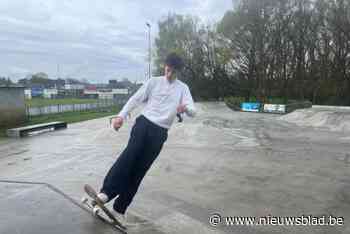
<point x="103" y="197"/>
<point x="120" y="217"/>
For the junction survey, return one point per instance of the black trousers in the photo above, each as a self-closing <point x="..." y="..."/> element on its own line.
<point x="125" y="176"/>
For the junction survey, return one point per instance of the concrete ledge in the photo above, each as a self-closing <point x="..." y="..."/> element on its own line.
<point x="331" y="107"/>
<point x="23" y="131"/>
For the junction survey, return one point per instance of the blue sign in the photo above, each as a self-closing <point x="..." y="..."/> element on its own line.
<point x="251" y="107"/>
<point x="37" y="92"/>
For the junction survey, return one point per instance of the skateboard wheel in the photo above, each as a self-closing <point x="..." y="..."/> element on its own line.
<point x="96" y="210"/>
<point x="93" y="203"/>
<point x="84" y="200"/>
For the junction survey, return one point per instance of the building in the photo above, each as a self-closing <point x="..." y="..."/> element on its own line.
<point x="12" y="106"/>
<point x="113" y="94"/>
<point x="50" y="93"/>
<point x="74" y="90"/>
<point x="91" y="94"/>
<point x="124" y="84"/>
<point x="106" y="93"/>
<point x="28" y="93"/>
<point x="113" y="84"/>
<point x="74" y="86"/>
<point x="120" y="93"/>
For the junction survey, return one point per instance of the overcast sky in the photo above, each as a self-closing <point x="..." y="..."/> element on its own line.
<point x="92" y="39"/>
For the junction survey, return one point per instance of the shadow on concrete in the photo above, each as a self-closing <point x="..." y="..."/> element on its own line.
<point x="35" y="208"/>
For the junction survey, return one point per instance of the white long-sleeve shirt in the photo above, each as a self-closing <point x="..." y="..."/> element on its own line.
<point x="162" y="99"/>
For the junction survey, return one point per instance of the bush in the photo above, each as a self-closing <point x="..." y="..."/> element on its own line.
<point x="298" y="105"/>
<point x="234" y="102"/>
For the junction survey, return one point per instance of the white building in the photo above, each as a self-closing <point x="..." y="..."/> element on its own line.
<point x="120" y="91"/>
<point x="50" y="93"/>
<point x="74" y="86"/>
<point x="106" y="94"/>
<point x="28" y="94"/>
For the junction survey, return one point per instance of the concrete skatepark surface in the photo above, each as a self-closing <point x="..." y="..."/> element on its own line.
<point x="326" y="117"/>
<point x="232" y="163"/>
<point x="27" y="208"/>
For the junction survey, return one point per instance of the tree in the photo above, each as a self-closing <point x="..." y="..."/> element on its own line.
<point x="290" y="48"/>
<point x="5" y="81"/>
<point x="198" y="45"/>
<point x="294" y="49"/>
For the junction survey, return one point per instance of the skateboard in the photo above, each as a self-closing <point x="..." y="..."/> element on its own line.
<point x="99" y="210"/>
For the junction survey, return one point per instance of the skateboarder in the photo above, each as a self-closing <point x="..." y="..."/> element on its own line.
<point x="165" y="97"/>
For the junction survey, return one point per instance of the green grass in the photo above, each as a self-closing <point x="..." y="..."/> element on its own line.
<point x="2" y="133"/>
<point x="39" y="102"/>
<point x="72" y="117"/>
<point x="69" y="117"/>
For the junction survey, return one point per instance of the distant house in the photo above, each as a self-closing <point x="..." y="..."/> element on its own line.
<point x="106" y="93"/>
<point x="50" y="93"/>
<point x="113" y="94"/>
<point x="28" y="94"/>
<point x="102" y="86"/>
<point x="91" y="87"/>
<point x="91" y="94"/>
<point x="124" y="84"/>
<point x="74" y="90"/>
<point x="113" y="83"/>
<point x="74" y="87"/>
<point x="120" y="93"/>
<point x="12" y="106"/>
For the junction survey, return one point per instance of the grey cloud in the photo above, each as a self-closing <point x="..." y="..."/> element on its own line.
<point x="97" y="40"/>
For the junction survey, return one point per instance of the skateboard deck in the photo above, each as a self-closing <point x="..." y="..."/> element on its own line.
<point x="95" y="206"/>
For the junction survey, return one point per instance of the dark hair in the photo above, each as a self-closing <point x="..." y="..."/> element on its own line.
<point x="175" y="61"/>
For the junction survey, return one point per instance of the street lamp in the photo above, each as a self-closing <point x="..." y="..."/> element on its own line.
<point x="149" y="50"/>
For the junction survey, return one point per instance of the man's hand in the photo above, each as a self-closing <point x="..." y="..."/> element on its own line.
<point x="117" y="123"/>
<point x="181" y="109"/>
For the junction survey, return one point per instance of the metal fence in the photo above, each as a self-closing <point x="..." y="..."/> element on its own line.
<point x="61" y="108"/>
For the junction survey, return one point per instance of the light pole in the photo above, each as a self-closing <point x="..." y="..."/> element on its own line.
<point x="149" y="50"/>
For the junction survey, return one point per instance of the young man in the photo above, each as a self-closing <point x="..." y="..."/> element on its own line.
<point x="165" y="97"/>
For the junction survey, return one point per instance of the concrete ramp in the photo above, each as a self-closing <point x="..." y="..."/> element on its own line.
<point x="33" y="208"/>
<point x="330" y="118"/>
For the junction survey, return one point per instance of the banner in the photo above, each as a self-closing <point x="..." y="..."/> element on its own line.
<point x="275" y="108"/>
<point x="251" y="107"/>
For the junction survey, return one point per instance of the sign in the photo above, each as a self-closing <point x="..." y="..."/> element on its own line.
<point x="37" y="92"/>
<point x="275" y="108"/>
<point x="251" y="107"/>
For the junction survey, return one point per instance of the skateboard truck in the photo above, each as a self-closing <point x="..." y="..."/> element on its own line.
<point x="99" y="210"/>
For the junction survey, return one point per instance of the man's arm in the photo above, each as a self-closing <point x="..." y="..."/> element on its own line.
<point x="187" y="101"/>
<point x="139" y="97"/>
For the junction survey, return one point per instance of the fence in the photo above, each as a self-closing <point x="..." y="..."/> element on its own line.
<point x="61" y="108"/>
